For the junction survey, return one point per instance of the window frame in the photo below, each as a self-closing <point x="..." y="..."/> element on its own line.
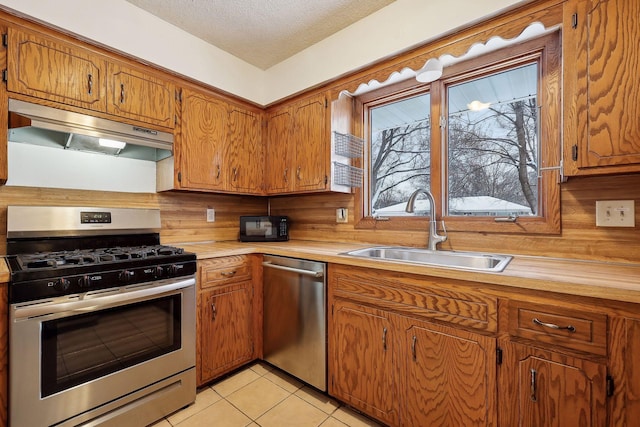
<point x="546" y="51"/>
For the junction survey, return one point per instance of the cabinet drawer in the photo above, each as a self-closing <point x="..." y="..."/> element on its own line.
<point x="573" y="329"/>
<point x="440" y="300"/>
<point x="222" y="271"/>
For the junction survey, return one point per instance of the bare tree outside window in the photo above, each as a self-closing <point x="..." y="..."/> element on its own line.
<point x="493" y="146"/>
<point x="400" y="151"/>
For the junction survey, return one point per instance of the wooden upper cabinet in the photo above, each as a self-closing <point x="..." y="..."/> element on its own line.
<point x="245" y="150"/>
<point x="602" y="86"/>
<point x="278" y="164"/>
<point x="53" y="70"/>
<point x="202" y="141"/>
<point x="298" y="147"/>
<point x="311" y="144"/>
<point x="139" y="96"/>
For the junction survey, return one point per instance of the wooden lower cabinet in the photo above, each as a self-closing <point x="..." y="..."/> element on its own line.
<point x="361" y="360"/>
<point x="226" y="329"/>
<point x="545" y="388"/>
<point x="407" y="372"/>
<point x="227" y="316"/>
<point x="448" y="376"/>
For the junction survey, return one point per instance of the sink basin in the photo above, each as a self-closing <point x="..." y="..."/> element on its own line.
<point x="460" y="260"/>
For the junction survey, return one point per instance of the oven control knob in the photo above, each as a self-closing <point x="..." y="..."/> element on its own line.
<point x="62" y="284"/>
<point x="158" y="272"/>
<point x="175" y="269"/>
<point x="126" y="275"/>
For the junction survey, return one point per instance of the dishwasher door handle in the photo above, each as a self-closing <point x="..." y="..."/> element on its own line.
<point x="294" y="270"/>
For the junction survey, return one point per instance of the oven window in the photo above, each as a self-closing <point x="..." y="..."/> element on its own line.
<point x="81" y="348"/>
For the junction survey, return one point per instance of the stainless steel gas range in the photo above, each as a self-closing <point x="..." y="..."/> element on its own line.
<point x="102" y="318"/>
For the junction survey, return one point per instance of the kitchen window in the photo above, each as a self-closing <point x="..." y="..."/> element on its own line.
<point x="484" y="139"/>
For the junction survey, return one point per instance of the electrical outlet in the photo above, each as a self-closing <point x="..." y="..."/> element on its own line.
<point x="211" y="215"/>
<point x="342" y="215"/>
<point x="615" y="213"/>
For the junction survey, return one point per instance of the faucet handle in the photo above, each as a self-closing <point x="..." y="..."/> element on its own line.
<point x="444" y="227"/>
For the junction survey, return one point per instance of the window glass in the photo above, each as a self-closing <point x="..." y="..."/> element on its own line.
<point x="400" y="137"/>
<point x="492" y="144"/>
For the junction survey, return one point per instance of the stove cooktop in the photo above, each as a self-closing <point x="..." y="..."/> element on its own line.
<point x="61" y="259"/>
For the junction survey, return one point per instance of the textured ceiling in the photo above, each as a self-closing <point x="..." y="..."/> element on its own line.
<point x="261" y="32"/>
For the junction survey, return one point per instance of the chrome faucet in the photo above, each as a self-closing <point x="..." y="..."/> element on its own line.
<point x="434" y="237"/>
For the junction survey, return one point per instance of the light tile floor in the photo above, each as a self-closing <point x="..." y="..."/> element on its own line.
<point x="261" y="395"/>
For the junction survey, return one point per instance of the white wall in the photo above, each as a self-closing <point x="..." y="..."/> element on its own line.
<point x="397" y="27"/>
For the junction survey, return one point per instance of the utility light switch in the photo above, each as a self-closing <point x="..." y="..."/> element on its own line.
<point x="615" y="213"/>
<point x="342" y="215"/>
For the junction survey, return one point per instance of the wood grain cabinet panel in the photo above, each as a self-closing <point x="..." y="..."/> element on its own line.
<point x="603" y="86"/>
<point x="298" y="147"/>
<point x="559" y="326"/>
<point x="226" y="329"/>
<point x="246" y="151"/>
<point x="361" y="357"/>
<point x="202" y="141"/>
<point x="279" y="164"/>
<point x="218" y="146"/>
<point x="53" y="70"/>
<point x="388" y="362"/>
<point x="139" y="96"/>
<point x="226" y="316"/>
<point x="449" y="376"/>
<point x="545" y="388"/>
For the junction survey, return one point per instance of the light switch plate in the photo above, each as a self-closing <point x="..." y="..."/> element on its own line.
<point x="615" y="213"/>
<point x="211" y="215"/>
<point x="342" y="215"/>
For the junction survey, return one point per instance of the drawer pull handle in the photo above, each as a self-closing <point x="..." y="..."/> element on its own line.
<point x="534" y="375"/>
<point x="229" y="273"/>
<point x="569" y="328"/>
<point x="121" y="93"/>
<point x="214" y="311"/>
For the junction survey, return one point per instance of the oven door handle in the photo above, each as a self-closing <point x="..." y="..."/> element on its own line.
<point x="99" y="301"/>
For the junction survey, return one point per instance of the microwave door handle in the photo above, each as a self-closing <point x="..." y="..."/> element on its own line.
<point x="293" y="270"/>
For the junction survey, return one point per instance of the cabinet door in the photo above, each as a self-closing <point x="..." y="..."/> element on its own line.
<point x="606" y="40"/>
<point x="202" y="141"/>
<point x="226" y="334"/>
<point x="246" y="155"/>
<point x="361" y="360"/>
<point x="310" y="141"/>
<point x="278" y="172"/>
<point x="136" y="95"/>
<point x="55" y="71"/>
<point x="554" y="390"/>
<point x="449" y="377"/>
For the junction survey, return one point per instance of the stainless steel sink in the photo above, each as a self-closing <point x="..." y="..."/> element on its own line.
<point x="461" y="260"/>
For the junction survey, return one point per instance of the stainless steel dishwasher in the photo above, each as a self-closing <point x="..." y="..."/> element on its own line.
<point x="294" y="327"/>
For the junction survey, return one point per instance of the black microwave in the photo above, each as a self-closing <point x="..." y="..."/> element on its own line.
<point x="264" y="228"/>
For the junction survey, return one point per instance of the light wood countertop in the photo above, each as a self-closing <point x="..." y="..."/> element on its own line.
<point x="4" y="271"/>
<point x="611" y="281"/>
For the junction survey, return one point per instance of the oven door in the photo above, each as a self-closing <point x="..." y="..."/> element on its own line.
<point x="73" y="355"/>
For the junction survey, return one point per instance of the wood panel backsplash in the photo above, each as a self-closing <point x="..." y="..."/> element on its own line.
<point x="183" y="215"/>
<point x="313" y="218"/>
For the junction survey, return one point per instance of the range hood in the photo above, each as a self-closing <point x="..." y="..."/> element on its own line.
<point x="42" y="125"/>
